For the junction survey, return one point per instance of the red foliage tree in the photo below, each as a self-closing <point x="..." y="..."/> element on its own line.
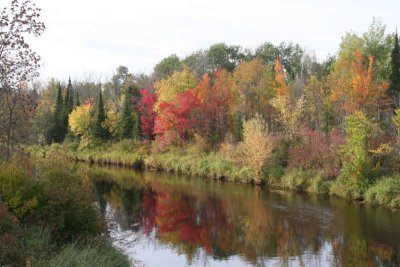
<point x="177" y="118"/>
<point x="147" y="113"/>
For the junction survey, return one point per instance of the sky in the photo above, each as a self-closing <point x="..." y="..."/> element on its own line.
<point x="91" y="38"/>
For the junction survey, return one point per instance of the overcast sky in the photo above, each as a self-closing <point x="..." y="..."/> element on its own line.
<point x="96" y="36"/>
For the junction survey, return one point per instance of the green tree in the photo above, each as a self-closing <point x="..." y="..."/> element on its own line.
<point x="57" y="131"/>
<point x="77" y="101"/>
<point x="68" y="105"/>
<point x="166" y="67"/>
<point x="127" y="119"/>
<point x="99" y="131"/>
<point x="356" y="172"/>
<point x="224" y="56"/>
<point x="394" y="89"/>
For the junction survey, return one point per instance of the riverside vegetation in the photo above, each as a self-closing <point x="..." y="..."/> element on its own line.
<point x="274" y="116"/>
<point x="47" y="216"/>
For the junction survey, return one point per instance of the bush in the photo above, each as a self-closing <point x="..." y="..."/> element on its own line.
<point x="256" y="146"/>
<point x="97" y="254"/>
<point x="10" y="251"/>
<point x="296" y="180"/>
<point x="385" y="192"/>
<point x="54" y="196"/>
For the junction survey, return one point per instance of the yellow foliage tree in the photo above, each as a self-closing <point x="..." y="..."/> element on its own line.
<point x="80" y="121"/>
<point x="289" y="114"/>
<point x="252" y="87"/>
<point x="112" y="120"/>
<point x="256" y="145"/>
<point x="168" y="88"/>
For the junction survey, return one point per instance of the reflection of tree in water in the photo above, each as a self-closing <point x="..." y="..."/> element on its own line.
<point x="256" y="226"/>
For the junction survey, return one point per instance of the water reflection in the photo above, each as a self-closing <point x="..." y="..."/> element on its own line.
<point x="164" y="220"/>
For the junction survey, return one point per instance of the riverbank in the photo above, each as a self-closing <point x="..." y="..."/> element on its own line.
<point x="384" y="191"/>
<point x="47" y="216"/>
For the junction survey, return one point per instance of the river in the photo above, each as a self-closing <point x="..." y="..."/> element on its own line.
<point x="164" y="219"/>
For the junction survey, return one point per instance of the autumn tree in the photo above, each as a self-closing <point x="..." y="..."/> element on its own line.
<point x="280" y="79"/>
<point x="289" y="115"/>
<point x="314" y="100"/>
<point x="147" y="113"/>
<point x="18" y="62"/>
<point x="256" y="145"/>
<point x="112" y="121"/>
<point x="80" y="121"/>
<point x="167" y="89"/>
<point x="175" y="121"/>
<point x="253" y="88"/>
<point x="215" y="105"/>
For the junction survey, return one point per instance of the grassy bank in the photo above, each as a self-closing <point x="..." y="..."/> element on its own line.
<point x="47" y="216"/>
<point x="275" y="175"/>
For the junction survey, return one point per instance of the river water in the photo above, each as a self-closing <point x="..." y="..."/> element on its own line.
<point x="163" y="219"/>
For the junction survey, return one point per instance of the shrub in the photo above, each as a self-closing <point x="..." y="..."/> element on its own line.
<point x="100" y="253"/>
<point x="317" y="151"/>
<point x="256" y="146"/>
<point x="386" y="192"/>
<point x="9" y="233"/>
<point x="296" y="180"/>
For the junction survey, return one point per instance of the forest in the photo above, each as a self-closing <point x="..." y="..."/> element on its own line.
<point x="274" y="116"/>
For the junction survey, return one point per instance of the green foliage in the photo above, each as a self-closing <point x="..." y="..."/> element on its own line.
<point x="167" y="67"/>
<point x="394" y="89"/>
<point x="68" y="105"/>
<point x="356" y="173"/>
<point x="99" y="254"/>
<point x="62" y="214"/>
<point x="57" y="133"/>
<point x="55" y="197"/>
<point x="99" y="131"/>
<point x="296" y="180"/>
<point x="385" y="192"/>
<point x="130" y="121"/>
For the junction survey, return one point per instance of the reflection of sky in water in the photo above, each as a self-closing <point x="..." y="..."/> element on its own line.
<point x="146" y="250"/>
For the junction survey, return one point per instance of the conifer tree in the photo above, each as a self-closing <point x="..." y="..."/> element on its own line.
<point x="127" y="119"/>
<point x="68" y="106"/>
<point x="394" y="89"/>
<point x="77" y="101"/>
<point x="98" y="130"/>
<point x="56" y="132"/>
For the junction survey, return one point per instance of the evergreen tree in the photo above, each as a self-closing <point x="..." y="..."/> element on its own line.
<point x="77" y="101"/>
<point x="56" y="132"/>
<point x="67" y="107"/>
<point x="394" y="89"/>
<point x="98" y="130"/>
<point x="127" y="119"/>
